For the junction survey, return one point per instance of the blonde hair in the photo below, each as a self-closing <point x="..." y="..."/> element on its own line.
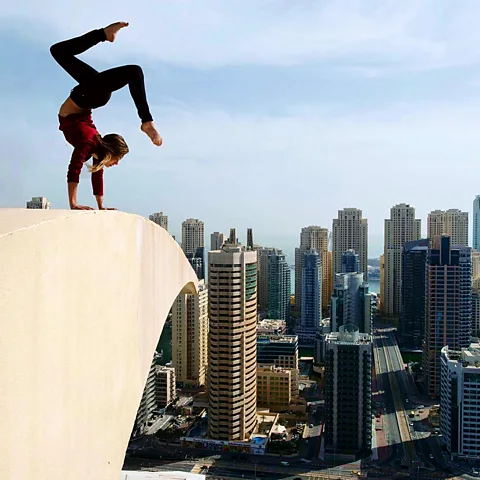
<point x="109" y="146"/>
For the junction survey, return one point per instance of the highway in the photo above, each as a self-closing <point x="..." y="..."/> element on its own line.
<point x="411" y="443"/>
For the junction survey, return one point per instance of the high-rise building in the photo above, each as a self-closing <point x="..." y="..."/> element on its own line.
<point x="311" y="295"/>
<point x="250" y="238"/>
<point x="193" y="245"/>
<point x="453" y="223"/>
<point x="475" y="264"/>
<point x="351" y="303"/>
<point x="350" y="262"/>
<point x="382" y="283"/>
<point x="165" y="386"/>
<point x="278" y="286"/>
<point x="192" y="235"/>
<point x="414" y="288"/>
<point x="190" y="337"/>
<point x="217" y="239"/>
<point x="148" y="403"/>
<point x="350" y="232"/>
<point x="312" y="238"/>
<point x="40" y="203"/>
<point x="402" y="227"/>
<point x="232" y="384"/>
<point x="197" y="261"/>
<point x="476" y="307"/>
<point x="160" y="219"/>
<point x="348" y="392"/>
<point x="476" y="223"/>
<point x="460" y="402"/>
<point x="263" y="260"/>
<point x="449" y="306"/>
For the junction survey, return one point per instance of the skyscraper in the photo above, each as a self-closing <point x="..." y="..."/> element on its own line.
<point x="449" y="306"/>
<point x="193" y="244"/>
<point x="351" y="303"/>
<point x="232" y="385"/>
<point x="278" y="302"/>
<point x="402" y="227"/>
<point x="192" y="235"/>
<point x="453" y="223"/>
<point x="348" y="392"/>
<point x="311" y="295"/>
<point x="160" y="219"/>
<point x="476" y="223"/>
<point x="350" y="262"/>
<point x="217" y="239"/>
<point x="250" y="238"/>
<point x="263" y="260"/>
<point x="476" y="307"/>
<point x="40" y="203"/>
<point x="414" y="288"/>
<point x="350" y="231"/>
<point x="190" y="337"/>
<point x="312" y="238"/>
<point x="460" y="402"/>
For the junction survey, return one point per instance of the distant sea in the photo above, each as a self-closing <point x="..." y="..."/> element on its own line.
<point x="374" y="283"/>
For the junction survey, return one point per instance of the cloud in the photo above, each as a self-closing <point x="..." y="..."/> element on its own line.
<point x="368" y="36"/>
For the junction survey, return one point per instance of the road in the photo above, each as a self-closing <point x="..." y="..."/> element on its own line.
<point x="411" y="442"/>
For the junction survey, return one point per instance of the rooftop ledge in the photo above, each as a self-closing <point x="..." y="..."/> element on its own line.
<point x="83" y="299"/>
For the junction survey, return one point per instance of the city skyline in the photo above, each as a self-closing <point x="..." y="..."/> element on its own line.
<point x="341" y="99"/>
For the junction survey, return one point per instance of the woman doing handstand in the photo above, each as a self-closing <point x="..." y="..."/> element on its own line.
<point x="94" y="90"/>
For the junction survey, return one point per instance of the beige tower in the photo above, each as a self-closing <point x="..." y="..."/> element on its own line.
<point x="190" y="337"/>
<point x="402" y="227"/>
<point x="232" y="385"/>
<point x="160" y="219"/>
<point x="312" y="238"/>
<point x="350" y="231"/>
<point x="217" y="239"/>
<point x="192" y="235"/>
<point x="453" y="223"/>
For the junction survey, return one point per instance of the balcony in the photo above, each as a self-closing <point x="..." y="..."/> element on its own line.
<point x="83" y="299"/>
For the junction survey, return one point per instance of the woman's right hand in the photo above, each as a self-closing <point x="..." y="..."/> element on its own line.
<point x="80" y="207"/>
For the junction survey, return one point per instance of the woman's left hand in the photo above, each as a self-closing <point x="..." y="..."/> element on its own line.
<point x="107" y="208"/>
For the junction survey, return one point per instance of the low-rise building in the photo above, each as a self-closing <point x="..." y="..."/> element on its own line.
<point x="274" y="387"/>
<point x="165" y="386"/>
<point x="270" y="326"/>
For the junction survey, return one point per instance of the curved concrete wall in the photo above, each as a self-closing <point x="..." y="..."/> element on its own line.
<point x="83" y="300"/>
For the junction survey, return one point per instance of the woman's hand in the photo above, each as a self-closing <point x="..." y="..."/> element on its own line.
<point x="107" y="208"/>
<point x="80" y="207"/>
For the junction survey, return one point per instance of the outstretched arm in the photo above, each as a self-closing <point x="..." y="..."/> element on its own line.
<point x="79" y="156"/>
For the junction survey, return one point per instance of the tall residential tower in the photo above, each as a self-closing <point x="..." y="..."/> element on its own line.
<point x="453" y="223"/>
<point x="449" y="306"/>
<point x="232" y="385"/>
<point x="350" y="232"/>
<point x="402" y="227"/>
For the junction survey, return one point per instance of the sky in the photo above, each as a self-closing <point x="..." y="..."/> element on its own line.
<point x="275" y="114"/>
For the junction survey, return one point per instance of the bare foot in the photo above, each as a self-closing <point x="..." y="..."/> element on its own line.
<point x="151" y="131"/>
<point x="112" y="30"/>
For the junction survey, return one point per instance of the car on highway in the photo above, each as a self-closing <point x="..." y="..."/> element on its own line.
<point x="311" y="425"/>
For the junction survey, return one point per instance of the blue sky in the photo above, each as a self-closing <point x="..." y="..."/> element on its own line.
<point x="274" y="113"/>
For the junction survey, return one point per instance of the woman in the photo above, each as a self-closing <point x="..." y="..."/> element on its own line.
<point x="94" y="90"/>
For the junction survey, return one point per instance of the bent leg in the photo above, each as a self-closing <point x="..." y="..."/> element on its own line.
<point x="64" y="53"/>
<point x="116" y="78"/>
